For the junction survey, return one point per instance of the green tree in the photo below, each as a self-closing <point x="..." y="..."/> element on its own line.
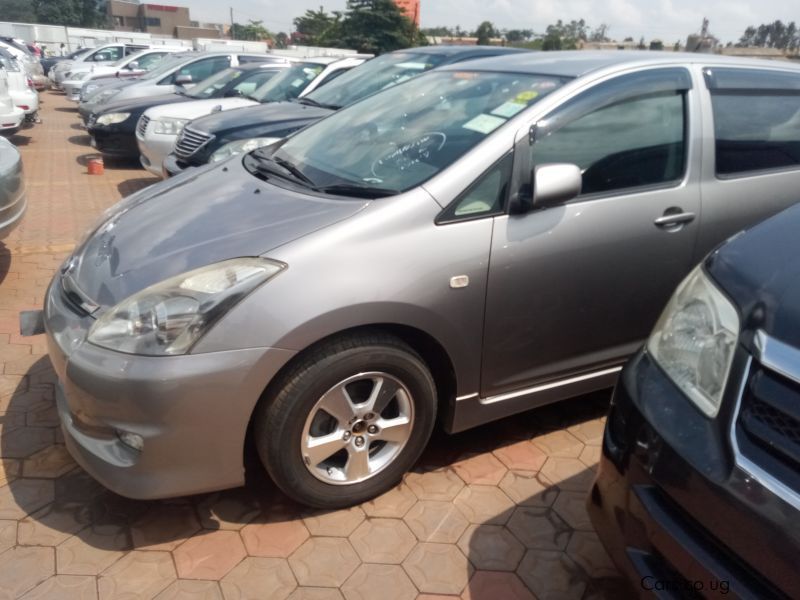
<point x="377" y="26"/>
<point x="19" y="11"/>
<point x="252" y="31"/>
<point x="282" y="40"/>
<point x="76" y="13"/>
<point x="772" y="35"/>
<point x="485" y="33"/>
<point x="316" y="27"/>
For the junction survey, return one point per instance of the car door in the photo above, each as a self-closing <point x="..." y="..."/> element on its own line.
<point x="752" y="170"/>
<point x="574" y="288"/>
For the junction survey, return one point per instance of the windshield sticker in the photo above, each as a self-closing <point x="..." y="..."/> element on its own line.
<point x="525" y="97"/>
<point x="412" y="65"/>
<point x="298" y="82"/>
<point x="508" y="110"/>
<point x="484" y="124"/>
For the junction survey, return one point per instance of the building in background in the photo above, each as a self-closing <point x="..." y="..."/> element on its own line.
<point x="157" y="19"/>
<point x="410" y="9"/>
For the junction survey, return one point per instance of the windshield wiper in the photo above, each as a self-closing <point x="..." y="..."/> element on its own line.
<point x="282" y="168"/>
<point x="310" y="102"/>
<point x="359" y="191"/>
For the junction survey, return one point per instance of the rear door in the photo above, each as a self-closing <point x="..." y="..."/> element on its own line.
<point x="752" y="170"/>
<point x="575" y="288"/>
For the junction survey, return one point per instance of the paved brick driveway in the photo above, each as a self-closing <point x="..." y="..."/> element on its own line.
<point x="496" y="513"/>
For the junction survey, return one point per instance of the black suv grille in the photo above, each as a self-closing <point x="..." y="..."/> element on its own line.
<point x="141" y="126"/>
<point x="190" y="141"/>
<point x="768" y="427"/>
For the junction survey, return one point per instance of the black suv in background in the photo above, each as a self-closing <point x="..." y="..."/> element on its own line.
<point x="699" y="484"/>
<point x="217" y="136"/>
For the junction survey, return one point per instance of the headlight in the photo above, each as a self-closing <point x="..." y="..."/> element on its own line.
<point x="168" y="125"/>
<point x="694" y="340"/>
<point x="112" y="118"/>
<point x="168" y="317"/>
<point x="242" y="146"/>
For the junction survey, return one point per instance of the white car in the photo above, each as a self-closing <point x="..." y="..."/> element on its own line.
<point x="11" y="117"/>
<point x="20" y="86"/>
<point x="107" y="53"/>
<point x="132" y="65"/>
<point x="158" y="127"/>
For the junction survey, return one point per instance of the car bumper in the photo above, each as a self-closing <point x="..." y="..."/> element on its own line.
<point x="11" y="122"/>
<point x="153" y="149"/>
<point x="114" y="141"/>
<point x="40" y="82"/>
<point x="11" y="214"/>
<point x="190" y="412"/>
<point x="676" y="515"/>
<point x="72" y="89"/>
<point x="171" y="166"/>
<point x="28" y="101"/>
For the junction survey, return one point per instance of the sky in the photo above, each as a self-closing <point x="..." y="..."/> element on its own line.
<point x="668" y="20"/>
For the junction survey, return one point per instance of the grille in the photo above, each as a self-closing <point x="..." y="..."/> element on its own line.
<point x="190" y="141"/>
<point x="768" y="426"/>
<point x="141" y="126"/>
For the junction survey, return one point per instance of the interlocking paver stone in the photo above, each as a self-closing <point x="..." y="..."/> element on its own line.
<point x="252" y="577"/>
<point x="191" y="589"/>
<point x="393" y="504"/>
<point x="337" y="523"/>
<point x="324" y="562"/>
<point x="491" y="547"/>
<point x="276" y="538"/>
<point x="551" y="575"/>
<point x="383" y="541"/>
<point x="316" y="593"/>
<point x="568" y="473"/>
<point x="138" y="574"/>
<point x="387" y="582"/>
<point x="24" y="496"/>
<point x="491" y="585"/>
<point x="50" y="462"/>
<point x="571" y="506"/>
<point x="164" y="527"/>
<point x="8" y="535"/>
<point x="539" y="528"/>
<point x="480" y="469"/>
<point x="438" y="568"/>
<point x="559" y="443"/>
<point x="586" y="550"/>
<point x="484" y="504"/>
<point x="25" y="441"/>
<point x="23" y="568"/>
<point x="91" y="550"/>
<point x="522" y="456"/>
<point x="589" y="432"/>
<point x="230" y="509"/>
<point x="209" y="555"/>
<point x="440" y="484"/>
<point x="50" y="526"/>
<point x="435" y="521"/>
<point x="526" y="488"/>
<point x="63" y="587"/>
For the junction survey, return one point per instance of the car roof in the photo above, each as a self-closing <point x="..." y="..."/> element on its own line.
<point x="576" y="63"/>
<point x="256" y="66"/>
<point x="465" y="51"/>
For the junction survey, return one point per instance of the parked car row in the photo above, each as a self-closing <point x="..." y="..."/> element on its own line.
<point x="431" y="239"/>
<point x="19" y="99"/>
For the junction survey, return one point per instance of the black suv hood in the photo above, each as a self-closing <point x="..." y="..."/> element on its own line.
<point x="760" y="271"/>
<point x="139" y="105"/>
<point x="198" y="218"/>
<point x="259" y="121"/>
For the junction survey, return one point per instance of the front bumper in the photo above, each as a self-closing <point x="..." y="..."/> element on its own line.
<point x="72" y="89"/>
<point x="672" y="508"/>
<point x="171" y="166"/>
<point x="116" y="141"/>
<point x="12" y="121"/>
<point x="191" y="412"/>
<point x="153" y="149"/>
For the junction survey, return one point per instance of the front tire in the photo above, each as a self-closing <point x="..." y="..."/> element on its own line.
<point x="347" y="421"/>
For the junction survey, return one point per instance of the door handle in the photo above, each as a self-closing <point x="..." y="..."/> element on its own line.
<point x="673" y="219"/>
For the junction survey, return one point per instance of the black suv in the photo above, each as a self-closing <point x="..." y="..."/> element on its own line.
<point x="217" y="136"/>
<point x="699" y="484"/>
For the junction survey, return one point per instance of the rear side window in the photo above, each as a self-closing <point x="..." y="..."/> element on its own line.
<point x="756" y="119"/>
<point x="626" y="133"/>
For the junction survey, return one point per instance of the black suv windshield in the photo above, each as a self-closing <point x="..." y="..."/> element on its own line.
<point x="376" y="74"/>
<point x="288" y="84"/>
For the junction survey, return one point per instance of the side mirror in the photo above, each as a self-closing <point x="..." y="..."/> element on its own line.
<point x="133" y="65"/>
<point x="234" y="93"/>
<point x="183" y="79"/>
<point x="555" y="184"/>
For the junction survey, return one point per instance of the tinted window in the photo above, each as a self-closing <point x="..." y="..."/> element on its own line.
<point x="250" y="82"/>
<point x="629" y="142"/>
<point x="756" y="119"/>
<point x="107" y="54"/>
<point x="148" y="61"/>
<point x="202" y="69"/>
<point x="289" y="84"/>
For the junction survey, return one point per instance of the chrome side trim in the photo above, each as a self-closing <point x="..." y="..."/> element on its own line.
<point x="466" y="397"/>
<point x="550" y="386"/>
<point x="747" y="466"/>
<point x="777" y="356"/>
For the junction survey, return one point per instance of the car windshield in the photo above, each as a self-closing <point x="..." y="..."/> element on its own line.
<point x="209" y="86"/>
<point x="288" y="84"/>
<point x="397" y="139"/>
<point x="376" y="74"/>
<point x="168" y="63"/>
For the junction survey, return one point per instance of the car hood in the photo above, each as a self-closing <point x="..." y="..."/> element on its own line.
<point x="252" y="120"/>
<point x="198" y="218"/>
<point x="139" y="105"/>
<point x="760" y="272"/>
<point x="198" y="108"/>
